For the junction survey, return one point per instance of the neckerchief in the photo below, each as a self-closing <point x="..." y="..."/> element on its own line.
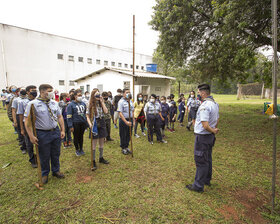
<point x="210" y="98"/>
<point x="47" y="102"/>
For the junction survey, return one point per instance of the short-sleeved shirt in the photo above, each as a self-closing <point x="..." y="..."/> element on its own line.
<point x="208" y="111"/>
<point x="15" y="103"/>
<point x="22" y="104"/>
<point x="123" y="107"/>
<point x="4" y="96"/>
<point x="9" y="97"/>
<point x="99" y="111"/>
<point x="152" y="108"/>
<point x="192" y="103"/>
<point x="44" y="119"/>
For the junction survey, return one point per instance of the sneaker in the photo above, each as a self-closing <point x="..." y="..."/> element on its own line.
<point x="78" y="153"/>
<point x="15" y="132"/>
<point x="145" y="129"/>
<point x="116" y="127"/>
<point x="69" y="144"/>
<point x="181" y="125"/>
<point x="163" y="141"/>
<point x="172" y="130"/>
<point x="24" y="151"/>
<point x="189" y="128"/>
<point x="137" y="136"/>
<point x="124" y="151"/>
<point x="110" y="140"/>
<point x="192" y="188"/>
<point x="82" y="152"/>
<point x="143" y="133"/>
<point x="169" y="129"/>
<point x="58" y="175"/>
<point x="151" y="142"/>
<point x="65" y="145"/>
<point x="104" y="161"/>
<point x="128" y="151"/>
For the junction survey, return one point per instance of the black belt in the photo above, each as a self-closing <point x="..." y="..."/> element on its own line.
<point x="53" y="129"/>
<point x="204" y="134"/>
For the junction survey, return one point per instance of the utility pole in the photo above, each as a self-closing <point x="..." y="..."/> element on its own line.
<point x="274" y="84"/>
<point x="133" y="69"/>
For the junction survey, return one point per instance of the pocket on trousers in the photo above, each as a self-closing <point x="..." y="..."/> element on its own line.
<point x="200" y="156"/>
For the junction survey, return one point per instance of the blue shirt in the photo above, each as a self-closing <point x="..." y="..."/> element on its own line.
<point x="123" y="108"/>
<point x="192" y="103"/>
<point x="76" y="113"/>
<point x="22" y="104"/>
<point x="15" y="103"/>
<point x="182" y="108"/>
<point x="44" y="120"/>
<point x="164" y="109"/>
<point x="152" y="108"/>
<point x="208" y="111"/>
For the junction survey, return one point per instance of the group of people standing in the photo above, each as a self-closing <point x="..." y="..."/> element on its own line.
<point x="94" y="112"/>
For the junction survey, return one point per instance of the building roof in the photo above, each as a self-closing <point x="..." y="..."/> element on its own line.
<point x="142" y="74"/>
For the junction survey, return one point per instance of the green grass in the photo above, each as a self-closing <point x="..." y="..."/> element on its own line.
<point x="150" y="188"/>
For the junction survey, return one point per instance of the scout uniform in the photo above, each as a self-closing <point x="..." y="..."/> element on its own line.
<point x="204" y="142"/>
<point x="123" y="107"/>
<point x="152" y="111"/>
<point x="48" y="133"/>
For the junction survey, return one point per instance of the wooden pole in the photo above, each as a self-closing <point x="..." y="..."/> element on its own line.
<point x="274" y="84"/>
<point x="133" y="69"/>
<point x="130" y="128"/>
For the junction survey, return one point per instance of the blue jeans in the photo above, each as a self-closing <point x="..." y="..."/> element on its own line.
<point x="49" y="149"/>
<point x="68" y="136"/>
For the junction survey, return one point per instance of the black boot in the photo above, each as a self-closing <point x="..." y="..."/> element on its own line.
<point x="102" y="160"/>
<point x="94" y="166"/>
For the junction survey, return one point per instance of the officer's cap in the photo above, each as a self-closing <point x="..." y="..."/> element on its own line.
<point x="204" y="87"/>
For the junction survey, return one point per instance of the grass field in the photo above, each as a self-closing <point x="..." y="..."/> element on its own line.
<point x="150" y="188"/>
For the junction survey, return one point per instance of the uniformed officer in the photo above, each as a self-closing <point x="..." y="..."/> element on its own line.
<point x="47" y="113"/>
<point x="153" y="114"/>
<point x="205" y="130"/>
<point x="124" y="121"/>
<point x="31" y="95"/>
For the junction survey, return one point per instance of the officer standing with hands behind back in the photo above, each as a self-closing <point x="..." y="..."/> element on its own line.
<point x="205" y="129"/>
<point x="48" y="114"/>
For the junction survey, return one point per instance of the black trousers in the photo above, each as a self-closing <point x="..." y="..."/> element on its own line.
<point x="124" y="133"/>
<point x="29" y="147"/>
<point x="79" y="130"/>
<point x="20" y="136"/>
<point x="108" y="128"/>
<point x="153" y="126"/>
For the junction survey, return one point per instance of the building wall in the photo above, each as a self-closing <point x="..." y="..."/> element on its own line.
<point x="31" y="57"/>
<point x="160" y="87"/>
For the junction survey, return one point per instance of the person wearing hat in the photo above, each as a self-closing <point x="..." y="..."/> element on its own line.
<point x="205" y="129"/>
<point x="153" y="114"/>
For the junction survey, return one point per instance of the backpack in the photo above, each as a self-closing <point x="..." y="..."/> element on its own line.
<point x="9" y="110"/>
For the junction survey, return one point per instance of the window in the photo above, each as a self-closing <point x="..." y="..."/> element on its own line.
<point x="61" y="82"/>
<point x="70" y="58"/>
<point x="113" y="63"/>
<point x="105" y="63"/>
<point x="88" y="88"/>
<point x="81" y="59"/>
<point x="158" y="89"/>
<point x="142" y="67"/>
<point x="100" y="87"/>
<point x="119" y="64"/>
<point x="71" y="83"/>
<point x="126" y="85"/>
<point x="82" y="88"/>
<point x="126" y="65"/>
<point x="89" y="60"/>
<point x="137" y="66"/>
<point x="60" y="56"/>
<point x="97" y="61"/>
<point x="131" y="66"/>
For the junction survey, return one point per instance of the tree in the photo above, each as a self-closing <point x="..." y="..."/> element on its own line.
<point x="218" y="39"/>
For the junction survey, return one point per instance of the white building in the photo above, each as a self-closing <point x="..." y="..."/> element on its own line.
<point x="32" y="57"/>
<point x="111" y="79"/>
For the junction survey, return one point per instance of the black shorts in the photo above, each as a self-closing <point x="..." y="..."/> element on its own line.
<point x="192" y="114"/>
<point x="101" y="128"/>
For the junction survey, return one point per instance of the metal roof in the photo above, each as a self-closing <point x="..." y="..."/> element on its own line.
<point x="142" y="74"/>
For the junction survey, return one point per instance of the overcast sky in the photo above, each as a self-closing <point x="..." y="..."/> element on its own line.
<point x="107" y="22"/>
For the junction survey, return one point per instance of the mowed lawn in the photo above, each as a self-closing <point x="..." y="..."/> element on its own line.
<point x="150" y="188"/>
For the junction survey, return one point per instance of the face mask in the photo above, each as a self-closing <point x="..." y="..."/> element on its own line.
<point x="163" y="101"/>
<point x="168" y="101"/>
<point x="50" y="95"/>
<point x="34" y="94"/>
<point x="128" y="96"/>
<point x="13" y="89"/>
<point x="97" y="96"/>
<point x="105" y="99"/>
<point x="152" y="100"/>
<point x="23" y="92"/>
<point x="87" y="96"/>
<point x="192" y="96"/>
<point x="68" y="99"/>
<point x="140" y="98"/>
<point x="199" y="97"/>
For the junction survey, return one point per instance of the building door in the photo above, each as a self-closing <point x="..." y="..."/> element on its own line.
<point x="88" y="88"/>
<point x="145" y="90"/>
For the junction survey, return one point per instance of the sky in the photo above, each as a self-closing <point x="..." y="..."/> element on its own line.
<point x="105" y="22"/>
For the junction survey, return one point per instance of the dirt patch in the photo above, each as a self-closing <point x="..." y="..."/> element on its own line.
<point x="229" y="212"/>
<point x="82" y="178"/>
<point x="7" y="143"/>
<point x="253" y="203"/>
